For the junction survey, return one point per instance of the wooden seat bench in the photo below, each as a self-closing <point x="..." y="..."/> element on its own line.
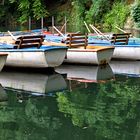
<point x="121" y="39"/>
<point x="28" y="41"/>
<point x="75" y="40"/>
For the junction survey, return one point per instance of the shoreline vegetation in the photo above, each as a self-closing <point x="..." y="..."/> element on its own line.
<point x="101" y="13"/>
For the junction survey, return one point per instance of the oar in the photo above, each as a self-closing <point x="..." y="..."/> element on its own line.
<point x="63" y="26"/>
<point x="124" y="31"/>
<point x="98" y="32"/>
<point x="59" y="32"/>
<point x="87" y="27"/>
<point x="94" y="30"/>
<point x="121" y="29"/>
<point x="12" y="35"/>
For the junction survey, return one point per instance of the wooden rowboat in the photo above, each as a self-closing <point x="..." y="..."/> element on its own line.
<point x="28" y="51"/>
<point x="127" y="52"/>
<point x="37" y="58"/>
<point x="94" y="55"/>
<point x="125" y="48"/>
<point x="80" y="52"/>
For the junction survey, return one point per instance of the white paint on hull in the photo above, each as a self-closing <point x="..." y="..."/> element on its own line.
<point x="130" y="53"/>
<point x="3" y="58"/>
<point x="89" y="57"/>
<point x="41" y="59"/>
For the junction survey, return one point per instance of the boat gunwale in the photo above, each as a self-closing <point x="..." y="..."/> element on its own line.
<point x="91" y="50"/>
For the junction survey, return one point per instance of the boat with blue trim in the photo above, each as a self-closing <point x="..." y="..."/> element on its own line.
<point x="126" y="48"/>
<point x="28" y="51"/>
<point x="79" y="52"/>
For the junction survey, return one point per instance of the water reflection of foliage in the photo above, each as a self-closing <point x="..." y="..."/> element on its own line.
<point x="29" y="119"/>
<point x="110" y="109"/>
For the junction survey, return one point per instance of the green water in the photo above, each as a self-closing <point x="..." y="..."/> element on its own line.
<point x="70" y="109"/>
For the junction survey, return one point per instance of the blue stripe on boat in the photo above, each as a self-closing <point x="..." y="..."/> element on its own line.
<point x="9" y="48"/>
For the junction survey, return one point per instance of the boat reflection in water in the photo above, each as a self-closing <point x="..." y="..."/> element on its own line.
<point x="34" y="83"/>
<point x="3" y="95"/>
<point x="129" y="68"/>
<point x="84" y="73"/>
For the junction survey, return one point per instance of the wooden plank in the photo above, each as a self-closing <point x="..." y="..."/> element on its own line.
<point x="122" y="34"/>
<point x="26" y="46"/>
<point x="31" y="36"/>
<point x="77" y="45"/>
<point x="29" y="41"/>
<point x="76" y="40"/>
<point x="82" y="38"/>
<point x="75" y="34"/>
<point x="122" y="38"/>
<point x="119" y="37"/>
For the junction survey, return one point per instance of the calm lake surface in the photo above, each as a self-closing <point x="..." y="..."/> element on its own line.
<point x="72" y="103"/>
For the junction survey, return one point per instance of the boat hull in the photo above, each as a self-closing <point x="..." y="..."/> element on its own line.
<point x="89" y="56"/>
<point x="130" y="53"/>
<point x="38" y="59"/>
<point x="3" y="58"/>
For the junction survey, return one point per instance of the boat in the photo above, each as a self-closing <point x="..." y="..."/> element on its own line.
<point x="33" y="83"/>
<point x="28" y="51"/>
<point x="129" y="68"/>
<point x="126" y="48"/>
<point x="3" y="58"/>
<point x="79" y="52"/>
<point x="96" y="56"/>
<point x="88" y="74"/>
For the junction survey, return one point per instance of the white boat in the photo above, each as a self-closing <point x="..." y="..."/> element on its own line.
<point x="39" y="58"/>
<point x="80" y="53"/>
<point x="29" y="53"/>
<point x="34" y="83"/>
<point x="125" y="48"/>
<point x="95" y="55"/>
<point x="3" y="58"/>
<point x="129" y="52"/>
<point x="130" y="68"/>
<point x="85" y="73"/>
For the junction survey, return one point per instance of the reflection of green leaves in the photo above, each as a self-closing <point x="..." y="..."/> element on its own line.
<point x="31" y="118"/>
<point x="112" y="108"/>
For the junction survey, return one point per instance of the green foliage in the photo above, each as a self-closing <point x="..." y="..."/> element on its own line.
<point x="97" y="10"/>
<point x="136" y="13"/>
<point x="117" y="16"/>
<point x="39" y="9"/>
<point x="77" y="15"/>
<point x="34" y="8"/>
